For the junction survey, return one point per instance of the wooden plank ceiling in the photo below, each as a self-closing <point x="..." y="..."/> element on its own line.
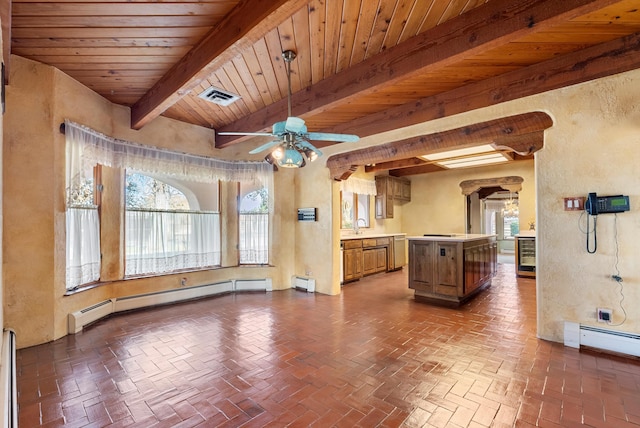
<point x="362" y="67"/>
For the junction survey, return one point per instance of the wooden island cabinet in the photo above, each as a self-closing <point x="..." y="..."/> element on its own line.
<point x="449" y="269"/>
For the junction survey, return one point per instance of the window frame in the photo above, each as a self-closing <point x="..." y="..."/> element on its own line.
<point x="266" y="228"/>
<point x="217" y="213"/>
<point x="356" y="203"/>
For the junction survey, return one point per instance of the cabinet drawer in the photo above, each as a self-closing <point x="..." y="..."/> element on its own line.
<point x="352" y="243"/>
<point x="369" y="243"/>
<point x="380" y="242"/>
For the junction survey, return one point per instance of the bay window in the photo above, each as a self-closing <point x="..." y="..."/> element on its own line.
<point x="171" y="208"/>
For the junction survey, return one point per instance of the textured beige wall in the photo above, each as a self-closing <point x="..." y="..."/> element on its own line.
<point x="594" y="146"/>
<point x="438" y="205"/>
<point x="38" y="100"/>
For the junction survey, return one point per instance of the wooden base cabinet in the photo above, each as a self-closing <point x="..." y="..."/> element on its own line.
<point x="451" y="271"/>
<point x="352" y="263"/>
<point x="366" y="256"/>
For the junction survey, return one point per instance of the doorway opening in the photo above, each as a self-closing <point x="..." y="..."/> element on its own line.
<point x="492" y="208"/>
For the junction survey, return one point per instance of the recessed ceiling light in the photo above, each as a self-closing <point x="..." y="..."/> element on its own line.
<point x="487" y="148"/>
<point x="486" y="159"/>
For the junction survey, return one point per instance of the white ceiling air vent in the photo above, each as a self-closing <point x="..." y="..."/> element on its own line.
<point x="219" y="96"/>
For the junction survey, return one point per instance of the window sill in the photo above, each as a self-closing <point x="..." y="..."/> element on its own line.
<point x="91" y="286"/>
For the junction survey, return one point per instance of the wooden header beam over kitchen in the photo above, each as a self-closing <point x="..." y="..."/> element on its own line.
<point x="522" y="134"/>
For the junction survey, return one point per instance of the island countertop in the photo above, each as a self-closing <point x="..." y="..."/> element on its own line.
<point x="451" y="237"/>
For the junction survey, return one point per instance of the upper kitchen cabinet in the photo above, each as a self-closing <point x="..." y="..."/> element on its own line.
<point x="389" y="190"/>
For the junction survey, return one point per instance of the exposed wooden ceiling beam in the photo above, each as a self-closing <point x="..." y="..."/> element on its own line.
<point x="240" y="30"/>
<point x="488" y="26"/>
<point x="420" y="169"/>
<point x="402" y="163"/>
<point x="501" y="132"/>
<point x="606" y="59"/>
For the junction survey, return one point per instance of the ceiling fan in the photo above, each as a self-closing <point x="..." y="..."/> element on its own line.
<point x="292" y="144"/>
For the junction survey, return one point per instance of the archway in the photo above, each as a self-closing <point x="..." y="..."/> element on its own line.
<point x="486" y="200"/>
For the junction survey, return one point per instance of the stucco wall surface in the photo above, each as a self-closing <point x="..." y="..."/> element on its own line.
<point x="438" y="205"/>
<point x="38" y="101"/>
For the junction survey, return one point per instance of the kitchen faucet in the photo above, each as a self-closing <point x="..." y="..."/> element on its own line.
<point x="356" y="226"/>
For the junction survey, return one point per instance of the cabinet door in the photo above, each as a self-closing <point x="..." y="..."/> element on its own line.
<point x="447" y="264"/>
<point x="369" y="261"/>
<point x="421" y="265"/>
<point x="406" y="191"/>
<point x="381" y="260"/>
<point x="389" y="206"/>
<point x="397" y="189"/>
<point x="380" y="206"/>
<point x="352" y="264"/>
<point x="471" y="269"/>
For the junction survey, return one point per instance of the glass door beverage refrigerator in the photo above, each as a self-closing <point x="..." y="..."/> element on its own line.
<point x="525" y="250"/>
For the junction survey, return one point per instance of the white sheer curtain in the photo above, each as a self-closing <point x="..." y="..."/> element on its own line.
<point x="166" y="241"/>
<point x="97" y="148"/>
<point x="358" y="186"/>
<point x="254" y="238"/>
<point x="87" y="147"/>
<point x="82" y="219"/>
<point x="83" y="246"/>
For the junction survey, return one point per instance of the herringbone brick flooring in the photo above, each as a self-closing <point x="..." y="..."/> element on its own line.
<point x="369" y="357"/>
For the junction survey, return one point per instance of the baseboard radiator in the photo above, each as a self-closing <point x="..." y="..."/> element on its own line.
<point x="79" y="319"/>
<point x="8" y="386"/>
<point x="303" y="283"/>
<point x="576" y="335"/>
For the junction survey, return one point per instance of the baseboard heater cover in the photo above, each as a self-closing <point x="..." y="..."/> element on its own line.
<point x="576" y="335"/>
<point x="8" y="380"/>
<point x="253" y="284"/>
<point x="78" y="319"/>
<point x="171" y="296"/>
<point x="303" y="283"/>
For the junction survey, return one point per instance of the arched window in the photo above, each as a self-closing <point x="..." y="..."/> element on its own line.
<point x="163" y="232"/>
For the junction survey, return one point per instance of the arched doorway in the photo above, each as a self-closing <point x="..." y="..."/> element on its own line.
<point x="492" y="208"/>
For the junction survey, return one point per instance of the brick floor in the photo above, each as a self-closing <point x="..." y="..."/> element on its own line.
<point x="369" y="357"/>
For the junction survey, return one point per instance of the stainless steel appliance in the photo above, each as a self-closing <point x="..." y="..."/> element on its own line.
<point x="399" y="251"/>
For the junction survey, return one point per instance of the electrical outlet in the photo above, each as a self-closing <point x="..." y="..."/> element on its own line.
<point x="604" y="315"/>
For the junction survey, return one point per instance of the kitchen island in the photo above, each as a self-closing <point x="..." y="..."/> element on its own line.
<point x="450" y="268"/>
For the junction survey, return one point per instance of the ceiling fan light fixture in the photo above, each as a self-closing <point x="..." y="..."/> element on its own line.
<point x="292" y="159"/>
<point x="278" y="153"/>
<point x="311" y="155"/>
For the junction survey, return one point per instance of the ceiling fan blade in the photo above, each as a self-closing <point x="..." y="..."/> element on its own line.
<point x="322" y="136"/>
<point x="264" y="147"/>
<point x="295" y="125"/>
<point x="307" y="145"/>
<point x="256" y="134"/>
